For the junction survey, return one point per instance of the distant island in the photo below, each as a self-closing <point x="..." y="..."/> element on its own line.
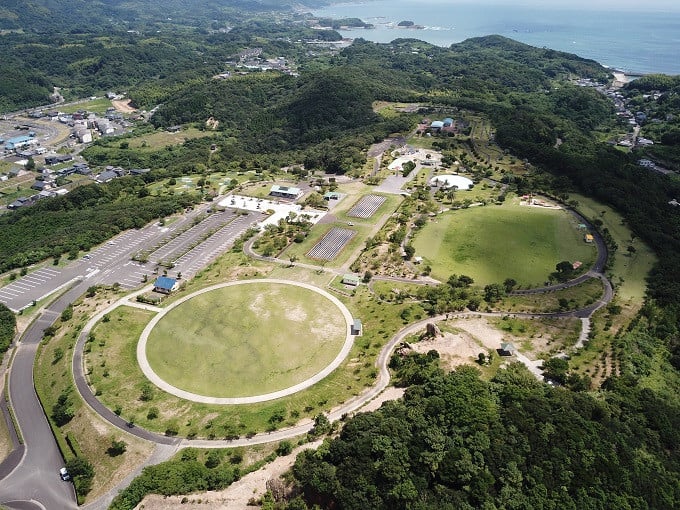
<point x="409" y="24"/>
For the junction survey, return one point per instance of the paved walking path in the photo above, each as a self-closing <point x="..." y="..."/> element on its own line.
<point x="173" y="390"/>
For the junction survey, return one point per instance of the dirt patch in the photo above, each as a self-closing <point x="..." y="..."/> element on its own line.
<point x="236" y="496"/>
<point x="123" y="105"/>
<point x="296" y="314"/>
<point x="454" y="349"/>
<point x="390" y="393"/>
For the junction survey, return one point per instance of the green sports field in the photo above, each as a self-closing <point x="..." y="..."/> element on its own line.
<point x="493" y="243"/>
<point x="246" y="340"/>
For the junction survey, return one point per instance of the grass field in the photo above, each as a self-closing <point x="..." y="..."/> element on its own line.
<point x="98" y="105"/>
<point x="493" y="243"/>
<point x="629" y="270"/>
<point x="246" y="340"/>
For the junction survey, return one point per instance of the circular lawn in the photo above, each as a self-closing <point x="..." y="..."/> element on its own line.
<point x="493" y="243"/>
<point x="248" y="338"/>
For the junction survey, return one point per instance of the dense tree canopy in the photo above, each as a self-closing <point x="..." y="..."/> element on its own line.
<point x="456" y="442"/>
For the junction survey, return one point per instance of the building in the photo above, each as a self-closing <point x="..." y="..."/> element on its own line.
<point x="41" y="185"/>
<point x="57" y="159"/>
<point x="165" y="285"/>
<point x="106" y="176"/>
<point x="84" y="135"/>
<point x="356" y="328"/>
<point x="351" y="279"/>
<point x="331" y="195"/>
<point x="507" y="349"/>
<point x="18" y="142"/>
<point x="588" y="238"/>
<point x="20" y="202"/>
<point x="285" y="192"/>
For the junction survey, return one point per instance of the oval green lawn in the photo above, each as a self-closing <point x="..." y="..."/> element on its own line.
<point x="493" y="243"/>
<point x="246" y="340"/>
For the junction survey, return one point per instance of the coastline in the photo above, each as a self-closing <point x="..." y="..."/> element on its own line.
<point x="612" y="38"/>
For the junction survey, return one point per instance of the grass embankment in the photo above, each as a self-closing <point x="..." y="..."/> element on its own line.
<point x="5" y="441"/>
<point x="629" y="270"/>
<point x="85" y="434"/>
<point x="572" y="298"/>
<point x="493" y="243"/>
<point x="246" y="340"/>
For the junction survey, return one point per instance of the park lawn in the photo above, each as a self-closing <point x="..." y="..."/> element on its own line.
<point x="246" y="340"/>
<point x="630" y="271"/>
<point x="299" y="250"/>
<point x="126" y="381"/>
<point x="99" y="105"/>
<point x="493" y="243"/>
<point x="388" y="206"/>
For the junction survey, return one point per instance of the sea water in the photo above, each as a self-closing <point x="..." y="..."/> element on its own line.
<point x="633" y="37"/>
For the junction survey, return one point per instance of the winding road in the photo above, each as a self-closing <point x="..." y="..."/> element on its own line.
<point x="29" y="477"/>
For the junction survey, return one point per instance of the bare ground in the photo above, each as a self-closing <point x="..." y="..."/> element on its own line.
<point x="123" y="105"/>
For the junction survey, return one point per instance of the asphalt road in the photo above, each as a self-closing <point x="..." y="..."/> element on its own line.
<point x="29" y="477"/>
<point x="33" y="482"/>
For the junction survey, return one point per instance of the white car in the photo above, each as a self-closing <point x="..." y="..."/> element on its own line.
<point x="63" y="473"/>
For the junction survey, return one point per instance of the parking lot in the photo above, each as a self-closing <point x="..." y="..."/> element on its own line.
<point x="199" y="257"/>
<point x="179" y="245"/>
<point x="32" y="287"/>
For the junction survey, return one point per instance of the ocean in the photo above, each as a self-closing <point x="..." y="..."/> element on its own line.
<point x="627" y="38"/>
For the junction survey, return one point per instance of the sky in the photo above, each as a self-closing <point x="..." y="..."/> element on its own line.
<point x="639" y="5"/>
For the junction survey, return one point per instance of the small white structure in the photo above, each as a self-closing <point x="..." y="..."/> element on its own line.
<point x="449" y="181"/>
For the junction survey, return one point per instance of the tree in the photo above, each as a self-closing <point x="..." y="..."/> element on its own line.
<point x="556" y="369"/>
<point x="509" y="284"/>
<point x="631" y="250"/>
<point x="321" y="425"/>
<point x="82" y="473"/>
<point x="117" y="448"/>
<point x="493" y="292"/>
<point x="564" y="270"/>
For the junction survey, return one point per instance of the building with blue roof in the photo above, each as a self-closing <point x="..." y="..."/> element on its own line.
<point x="18" y="142"/>
<point x="165" y="284"/>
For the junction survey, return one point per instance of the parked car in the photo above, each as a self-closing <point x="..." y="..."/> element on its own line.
<point x="64" y="474"/>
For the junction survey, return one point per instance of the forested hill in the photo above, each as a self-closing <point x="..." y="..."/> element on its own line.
<point x="458" y="442"/>
<point x="320" y="105"/>
<point x="79" y="16"/>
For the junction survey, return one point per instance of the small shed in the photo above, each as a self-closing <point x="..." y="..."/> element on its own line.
<point x="507" y="349"/>
<point x="165" y="285"/>
<point x="331" y="195"/>
<point x="356" y="327"/>
<point x="588" y="238"/>
<point x="351" y="279"/>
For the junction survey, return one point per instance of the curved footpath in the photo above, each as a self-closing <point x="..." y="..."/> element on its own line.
<point x="194" y="397"/>
<point x="32" y="473"/>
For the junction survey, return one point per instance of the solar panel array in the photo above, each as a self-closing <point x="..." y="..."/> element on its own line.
<point x="331" y="244"/>
<point x="366" y="206"/>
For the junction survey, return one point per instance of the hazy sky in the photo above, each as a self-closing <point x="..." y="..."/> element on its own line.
<point x="639" y="5"/>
